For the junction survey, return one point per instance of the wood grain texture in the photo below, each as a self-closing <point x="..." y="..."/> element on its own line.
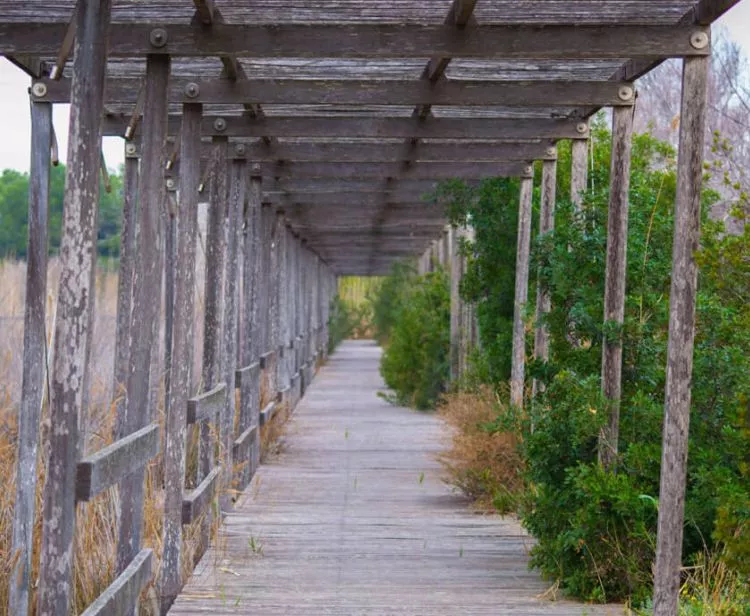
<point x="208" y="405"/>
<point x="121" y="597"/>
<point x="353" y="518"/>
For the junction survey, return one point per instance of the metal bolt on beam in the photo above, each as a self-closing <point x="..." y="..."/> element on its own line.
<point x="625" y="93"/>
<point x="192" y="90"/>
<point x="220" y="125"/>
<point x="39" y="90"/>
<point x="131" y="149"/>
<point x="171" y="185"/>
<point x="158" y="37"/>
<point x="582" y="128"/>
<point x="699" y="39"/>
<point x="239" y="149"/>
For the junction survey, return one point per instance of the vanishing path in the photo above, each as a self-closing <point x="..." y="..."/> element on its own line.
<point x="352" y="518"/>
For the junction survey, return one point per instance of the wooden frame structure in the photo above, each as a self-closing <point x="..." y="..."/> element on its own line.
<point x="313" y="131"/>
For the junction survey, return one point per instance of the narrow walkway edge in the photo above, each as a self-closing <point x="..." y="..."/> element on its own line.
<point x="353" y="518"/>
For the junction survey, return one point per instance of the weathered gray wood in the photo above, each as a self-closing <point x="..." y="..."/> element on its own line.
<point x="125" y="277"/>
<point x="245" y="374"/>
<point x="146" y="302"/>
<point x="281" y="241"/>
<point x="266" y="359"/>
<point x="170" y="580"/>
<point x="170" y="231"/>
<point x="109" y="465"/>
<point x="353" y="517"/>
<point x="416" y="171"/>
<point x="681" y="336"/>
<point x="456" y="273"/>
<point x="267" y="412"/>
<point x="207" y="406"/>
<point x="235" y="206"/>
<point x="614" y="281"/>
<point x="374" y="127"/>
<point x="243" y="441"/>
<point x="34" y="356"/>
<point x="121" y="596"/>
<point x="523" y="245"/>
<point x="380" y="92"/>
<point x="198" y="502"/>
<point x="579" y="170"/>
<point x="375" y="40"/>
<point x="74" y="308"/>
<point x="546" y="225"/>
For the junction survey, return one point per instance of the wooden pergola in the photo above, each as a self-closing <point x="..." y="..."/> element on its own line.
<point x="313" y="130"/>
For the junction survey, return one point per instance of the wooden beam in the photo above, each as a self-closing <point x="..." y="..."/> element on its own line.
<point x="682" y="299"/>
<point x="371" y="40"/>
<point x="468" y="129"/>
<point x="351" y="200"/>
<point x="206" y="406"/>
<point x="578" y="171"/>
<point x="417" y="171"/>
<point x="109" y="465"/>
<point x="614" y="281"/>
<point x="120" y="598"/>
<point x="197" y="502"/>
<point x="365" y="92"/>
<point x="72" y="335"/>
<point x="523" y="245"/>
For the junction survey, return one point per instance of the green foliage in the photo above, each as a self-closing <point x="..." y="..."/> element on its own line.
<point x="341" y="322"/>
<point x="596" y="529"/>
<point x="415" y="364"/>
<point x="388" y="298"/>
<point x="14" y="195"/>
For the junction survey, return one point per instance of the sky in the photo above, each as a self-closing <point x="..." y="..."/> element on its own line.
<point x="14" y="104"/>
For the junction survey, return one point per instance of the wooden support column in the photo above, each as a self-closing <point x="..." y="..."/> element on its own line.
<point x="272" y="316"/>
<point x="212" y="372"/>
<point x="546" y="225"/>
<point x="125" y="277"/>
<point x="681" y="336"/>
<point x="614" y="280"/>
<point x="34" y="358"/>
<point x="144" y="325"/>
<point x="578" y="170"/>
<point x="182" y="353"/>
<point x="468" y="327"/>
<point x="250" y="390"/>
<point x="74" y="306"/>
<point x="456" y="273"/>
<point x="282" y="237"/>
<point x="521" y="293"/>
<point x="236" y="206"/>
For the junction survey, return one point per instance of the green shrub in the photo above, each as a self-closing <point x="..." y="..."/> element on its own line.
<point x="341" y="322"/>
<point x="415" y="364"/>
<point x="388" y="299"/>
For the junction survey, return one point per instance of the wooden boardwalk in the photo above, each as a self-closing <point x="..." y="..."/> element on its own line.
<point x="353" y="518"/>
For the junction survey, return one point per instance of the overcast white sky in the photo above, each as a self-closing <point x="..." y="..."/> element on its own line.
<point x="14" y="104"/>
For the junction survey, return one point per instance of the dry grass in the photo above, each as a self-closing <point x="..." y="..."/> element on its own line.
<point x="484" y="465"/>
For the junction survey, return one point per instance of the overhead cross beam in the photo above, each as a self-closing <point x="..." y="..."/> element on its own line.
<point x="372" y="40"/>
<point x="366" y="92"/>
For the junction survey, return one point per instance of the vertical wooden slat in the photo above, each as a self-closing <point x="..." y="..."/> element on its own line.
<point x="34" y="354"/>
<point x="282" y="377"/>
<point x="521" y="293"/>
<point x="578" y="170"/>
<point x="125" y="277"/>
<point x="614" y="280"/>
<point x="77" y="262"/>
<point x="456" y="273"/>
<point x="546" y="225"/>
<point x="146" y="301"/>
<point x="681" y="335"/>
<point x="237" y="185"/>
<point x="216" y="245"/>
<point x="182" y="355"/>
<point x="170" y="231"/>
<point x="272" y="275"/>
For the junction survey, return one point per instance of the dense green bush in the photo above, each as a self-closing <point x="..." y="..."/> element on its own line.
<point x="595" y="528"/>
<point x="388" y="299"/>
<point x="341" y="322"/>
<point x="415" y="364"/>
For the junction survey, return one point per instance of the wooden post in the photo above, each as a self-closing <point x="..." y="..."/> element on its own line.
<point x="282" y="293"/>
<point x="237" y="184"/>
<point x="170" y="230"/>
<point x="614" y="280"/>
<point x="468" y="315"/>
<point x="34" y="356"/>
<point x="578" y="170"/>
<point x="546" y="225"/>
<point x="78" y="260"/>
<point x="272" y="319"/>
<point x="212" y="372"/>
<point x="125" y="277"/>
<point x="182" y="353"/>
<point x="521" y="293"/>
<point x="456" y="273"/>
<point x="144" y="326"/>
<point x="681" y="336"/>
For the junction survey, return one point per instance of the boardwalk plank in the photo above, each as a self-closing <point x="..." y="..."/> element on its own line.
<point x="353" y="518"/>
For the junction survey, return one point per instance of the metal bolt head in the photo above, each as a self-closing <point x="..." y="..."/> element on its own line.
<point x="255" y="169"/>
<point x="625" y="93"/>
<point x="170" y="184"/>
<point x="39" y="89"/>
<point x="699" y="39"/>
<point x="551" y="151"/>
<point x="239" y="149"/>
<point x="130" y="149"/>
<point x="220" y="125"/>
<point x="528" y="170"/>
<point x="582" y="128"/>
<point x="158" y="37"/>
<point x="192" y="90"/>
